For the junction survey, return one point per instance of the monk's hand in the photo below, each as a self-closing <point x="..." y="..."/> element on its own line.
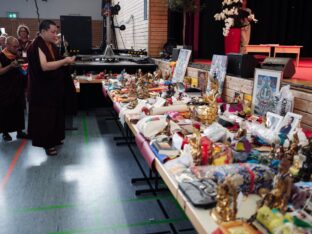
<point x="14" y="64"/>
<point x="70" y="60"/>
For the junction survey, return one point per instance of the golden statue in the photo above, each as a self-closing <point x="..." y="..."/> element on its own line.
<point x="131" y="88"/>
<point x="278" y="197"/>
<point x="142" y="89"/>
<point x="293" y="148"/>
<point x="195" y="145"/>
<point x="208" y="114"/>
<point x="226" y="207"/>
<point x="132" y="104"/>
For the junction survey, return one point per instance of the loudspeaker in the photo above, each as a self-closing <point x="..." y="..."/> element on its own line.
<point x="77" y="32"/>
<point x="242" y="65"/>
<point x="280" y="64"/>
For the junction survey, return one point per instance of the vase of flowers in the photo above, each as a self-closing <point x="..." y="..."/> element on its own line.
<point x="235" y="16"/>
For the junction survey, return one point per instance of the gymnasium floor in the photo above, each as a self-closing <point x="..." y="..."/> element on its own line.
<point x="85" y="189"/>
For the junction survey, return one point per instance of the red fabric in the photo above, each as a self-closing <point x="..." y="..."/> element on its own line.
<point x="116" y="107"/>
<point x="252" y="177"/>
<point x="232" y="41"/>
<point x="145" y="150"/>
<point x="308" y="133"/>
<point x="218" y="231"/>
<point x="104" y="91"/>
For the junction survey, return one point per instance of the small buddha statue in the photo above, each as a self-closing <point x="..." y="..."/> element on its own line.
<point x="195" y="145"/>
<point x="226" y="207"/>
<point x="279" y="196"/>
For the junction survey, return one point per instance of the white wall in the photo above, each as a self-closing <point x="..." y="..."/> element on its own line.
<point x="52" y="9"/>
<point x="132" y="15"/>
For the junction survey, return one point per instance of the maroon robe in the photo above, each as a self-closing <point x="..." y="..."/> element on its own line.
<point x="12" y="99"/>
<point x="46" y="124"/>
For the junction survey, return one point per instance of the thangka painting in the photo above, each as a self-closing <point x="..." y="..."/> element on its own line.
<point x="217" y="71"/>
<point x="180" y="69"/>
<point x="266" y="86"/>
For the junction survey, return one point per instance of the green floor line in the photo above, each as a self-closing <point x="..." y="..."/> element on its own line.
<point x="66" y="206"/>
<point x="177" y="205"/>
<point x="85" y="129"/>
<point x="121" y="226"/>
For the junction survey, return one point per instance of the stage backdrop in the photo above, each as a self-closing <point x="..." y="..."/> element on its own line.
<point x="286" y="22"/>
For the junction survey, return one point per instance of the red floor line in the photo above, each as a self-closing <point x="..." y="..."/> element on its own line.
<point x="6" y="178"/>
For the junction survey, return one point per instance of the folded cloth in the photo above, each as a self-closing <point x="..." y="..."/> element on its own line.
<point x="247" y="177"/>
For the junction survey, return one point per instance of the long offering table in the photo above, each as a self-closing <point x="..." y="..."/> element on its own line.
<point x="200" y="218"/>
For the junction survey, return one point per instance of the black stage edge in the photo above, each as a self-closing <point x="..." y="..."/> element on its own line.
<point x="82" y="67"/>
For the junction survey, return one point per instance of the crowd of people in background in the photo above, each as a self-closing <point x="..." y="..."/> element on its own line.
<point x="46" y="85"/>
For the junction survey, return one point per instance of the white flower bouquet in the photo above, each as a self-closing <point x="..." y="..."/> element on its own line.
<point x="233" y="15"/>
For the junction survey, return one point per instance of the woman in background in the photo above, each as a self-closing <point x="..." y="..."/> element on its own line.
<point x="23" y="39"/>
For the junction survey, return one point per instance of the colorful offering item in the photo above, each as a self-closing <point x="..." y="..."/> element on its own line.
<point x="241" y="147"/>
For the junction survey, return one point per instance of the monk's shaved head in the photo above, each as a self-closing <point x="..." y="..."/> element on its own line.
<point x="12" y="44"/>
<point x="11" y="41"/>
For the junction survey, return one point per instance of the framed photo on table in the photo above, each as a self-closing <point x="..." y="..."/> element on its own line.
<point x="266" y="86"/>
<point x="289" y="124"/>
<point x="202" y="80"/>
<point x="217" y="71"/>
<point x="180" y="69"/>
<point x="273" y="121"/>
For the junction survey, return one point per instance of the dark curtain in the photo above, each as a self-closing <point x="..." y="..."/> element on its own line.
<point x="211" y="40"/>
<point x="175" y="26"/>
<point x="284" y="22"/>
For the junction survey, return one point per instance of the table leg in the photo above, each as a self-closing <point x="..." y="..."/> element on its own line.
<point x="298" y="56"/>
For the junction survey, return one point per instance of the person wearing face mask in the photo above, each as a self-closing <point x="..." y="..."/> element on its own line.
<point x="46" y="89"/>
<point x="12" y="99"/>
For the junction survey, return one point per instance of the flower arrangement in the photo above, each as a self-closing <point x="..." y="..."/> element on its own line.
<point x="234" y="16"/>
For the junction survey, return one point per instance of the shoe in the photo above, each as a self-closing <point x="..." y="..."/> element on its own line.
<point x="22" y="135"/>
<point x="51" y="151"/>
<point x="6" y="136"/>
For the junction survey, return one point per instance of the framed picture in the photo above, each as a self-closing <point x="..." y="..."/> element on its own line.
<point x="266" y="86"/>
<point x="273" y="121"/>
<point x="202" y="80"/>
<point x="180" y="69"/>
<point x="218" y="71"/>
<point x="289" y="124"/>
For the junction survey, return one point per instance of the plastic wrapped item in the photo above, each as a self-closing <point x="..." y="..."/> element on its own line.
<point x="124" y="111"/>
<point x="164" y="109"/>
<point x="266" y="135"/>
<point x="284" y="101"/>
<point x="150" y="126"/>
<point x="215" y="132"/>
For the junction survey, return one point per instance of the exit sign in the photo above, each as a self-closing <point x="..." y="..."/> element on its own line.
<point x="12" y="15"/>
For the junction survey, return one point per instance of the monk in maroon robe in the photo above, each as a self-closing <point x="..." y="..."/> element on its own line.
<point x="12" y="99"/>
<point x="46" y="90"/>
